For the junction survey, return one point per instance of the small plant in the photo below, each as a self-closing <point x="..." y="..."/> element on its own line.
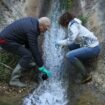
<point x="83" y="19"/>
<point x="1" y="18"/>
<point x="69" y="4"/>
<point x="66" y="4"/>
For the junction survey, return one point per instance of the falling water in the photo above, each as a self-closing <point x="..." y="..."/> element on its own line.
<point x="54" y="90"/>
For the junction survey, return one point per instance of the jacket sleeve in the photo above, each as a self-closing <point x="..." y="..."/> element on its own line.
<point x="73" y="31"/>
<point x="33" y="45"/>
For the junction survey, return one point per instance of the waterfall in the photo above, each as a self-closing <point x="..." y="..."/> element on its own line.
<point x="54" y="90"/>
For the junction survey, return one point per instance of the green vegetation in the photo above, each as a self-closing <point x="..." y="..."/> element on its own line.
<point x="66" y="4"/>
<point x="1" y="18"/>
<point x="83" y="19"/>
<point x="69" y="4"/>
<point x="6" y="60"/>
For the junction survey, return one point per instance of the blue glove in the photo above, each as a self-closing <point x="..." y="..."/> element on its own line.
<point x="45" y="71"/>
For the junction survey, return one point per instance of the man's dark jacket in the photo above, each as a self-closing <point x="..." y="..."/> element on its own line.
<point x="24" y="31"/>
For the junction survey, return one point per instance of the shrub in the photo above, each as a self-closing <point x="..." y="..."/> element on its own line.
<point x="83" y="19"/>
<point x="66" y="4"/>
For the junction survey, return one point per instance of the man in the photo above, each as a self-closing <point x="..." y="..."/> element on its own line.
<point x="24" y="32"/>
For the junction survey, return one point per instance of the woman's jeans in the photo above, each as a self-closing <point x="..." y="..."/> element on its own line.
<point x="76" y="54"/>
<point x="82" y="53"/>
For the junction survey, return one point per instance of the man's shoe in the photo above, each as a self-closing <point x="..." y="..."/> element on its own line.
<point x="16" y="74"/>
<point x="17" y="83"/>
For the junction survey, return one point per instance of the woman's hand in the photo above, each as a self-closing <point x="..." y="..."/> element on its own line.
<point x="60" y="43"/>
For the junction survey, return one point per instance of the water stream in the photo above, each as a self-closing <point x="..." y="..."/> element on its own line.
<point x="54" y="90"/>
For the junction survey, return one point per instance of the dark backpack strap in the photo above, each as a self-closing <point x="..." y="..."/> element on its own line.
<point x="72" y="22"/>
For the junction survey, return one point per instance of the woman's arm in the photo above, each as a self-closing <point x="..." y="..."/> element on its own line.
<point x="73" y="31"/>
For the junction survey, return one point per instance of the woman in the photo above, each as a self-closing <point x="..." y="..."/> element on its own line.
<point x="82" y="43"/>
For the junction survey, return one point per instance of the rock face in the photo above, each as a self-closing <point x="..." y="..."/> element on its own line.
<point x="32" y="7"/>
<point x="36" y="7"/>
<point x="94" y="10"/>
<point x="10" y="10"/>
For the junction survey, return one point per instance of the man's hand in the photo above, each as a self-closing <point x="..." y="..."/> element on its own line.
<point x="45" y="71"/>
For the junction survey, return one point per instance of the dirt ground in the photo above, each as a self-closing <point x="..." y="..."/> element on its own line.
<point x="14" y="95"/>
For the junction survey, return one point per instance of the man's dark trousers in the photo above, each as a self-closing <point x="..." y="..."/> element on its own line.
<point x="18" y="49"/>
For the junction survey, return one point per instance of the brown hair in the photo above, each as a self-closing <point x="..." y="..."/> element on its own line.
<point x="65" y="19"/>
